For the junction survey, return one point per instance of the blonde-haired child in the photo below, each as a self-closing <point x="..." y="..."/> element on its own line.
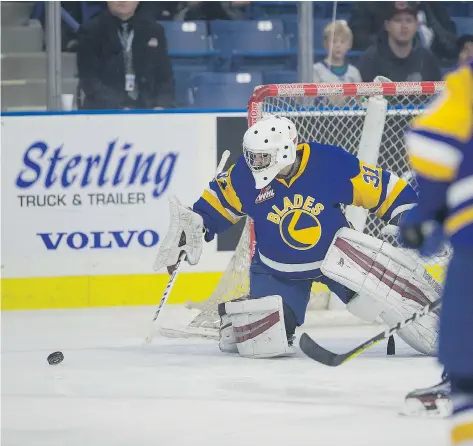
<point x="335" y="69"/>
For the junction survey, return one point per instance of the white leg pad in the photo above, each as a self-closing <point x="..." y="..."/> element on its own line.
<point x="258" y="327"/>
<point x="390" y="278"/>
<point x="422" y="335"/>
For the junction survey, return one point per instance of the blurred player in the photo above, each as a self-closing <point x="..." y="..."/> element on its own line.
<point x="441" y="154"/>
<point x="293" y="192"/>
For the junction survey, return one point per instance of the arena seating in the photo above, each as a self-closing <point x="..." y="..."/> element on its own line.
<point x="265" y="45"/>
<point x="223" y="90"/>
<point x="464" y="25"/>
<point x="292" y="32"/>
<point x="248" y="36"/>
<point x="187" y="39"/>
<point x="252" y="44"/>
<point x="280" y="77"/>
<point x="189" y="45"/>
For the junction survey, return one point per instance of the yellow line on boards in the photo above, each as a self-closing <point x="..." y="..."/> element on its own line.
<point x="98" y="291"/>
<point x="34" y="293"/>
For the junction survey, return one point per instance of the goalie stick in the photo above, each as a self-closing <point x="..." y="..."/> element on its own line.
<point x="182" y="257"/>
<point x="166" y="293"/>
<point x="326" y="357"/>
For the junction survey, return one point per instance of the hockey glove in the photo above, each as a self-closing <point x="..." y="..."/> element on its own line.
<point x="184" y="235"/>
<point x="425" y="235"/>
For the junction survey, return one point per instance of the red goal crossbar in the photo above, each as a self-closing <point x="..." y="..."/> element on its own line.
<point x="360" y="89"/>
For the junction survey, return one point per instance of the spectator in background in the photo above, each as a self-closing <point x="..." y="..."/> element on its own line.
<point x="436" y="31"/>
<point x="396" y="57"/>
<point x="465" y="48"/>
<point x="123" y="61"/>
<point x="335" y="68"/>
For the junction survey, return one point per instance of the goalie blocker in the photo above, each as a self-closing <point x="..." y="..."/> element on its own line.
<point x="389" y="283"/>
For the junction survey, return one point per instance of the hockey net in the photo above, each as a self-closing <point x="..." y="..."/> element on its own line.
<point x="336" y="114"/>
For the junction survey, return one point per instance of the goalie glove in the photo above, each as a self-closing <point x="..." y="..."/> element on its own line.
<point x="391" y="231"/>
<point x="425" y="235"/>
<point x="185" y="232"/>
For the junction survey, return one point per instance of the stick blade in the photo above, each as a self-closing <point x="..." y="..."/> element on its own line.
<point x="318" y="353"/>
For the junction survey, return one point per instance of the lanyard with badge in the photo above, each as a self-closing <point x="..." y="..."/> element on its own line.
<point x="126" y="39"/>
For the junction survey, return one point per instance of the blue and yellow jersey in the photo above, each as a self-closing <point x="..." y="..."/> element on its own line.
<point x="441" y="153"/>
<point x="296" y="220"/>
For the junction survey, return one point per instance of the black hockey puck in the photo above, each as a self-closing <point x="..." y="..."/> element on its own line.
<point x="55" y="358"/>
<point x="391" y="350"/>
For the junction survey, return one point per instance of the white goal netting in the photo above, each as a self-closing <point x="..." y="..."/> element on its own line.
<point x="336" y="114"/>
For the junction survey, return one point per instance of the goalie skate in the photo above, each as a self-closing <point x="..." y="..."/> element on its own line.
<point x="429" y="402"/>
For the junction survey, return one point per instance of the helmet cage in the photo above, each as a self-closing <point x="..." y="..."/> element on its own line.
<point x="259" y="161"/>
<point x="268" y="147"/>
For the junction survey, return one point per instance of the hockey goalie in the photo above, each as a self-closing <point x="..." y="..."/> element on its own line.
<point x="294" y="192"/>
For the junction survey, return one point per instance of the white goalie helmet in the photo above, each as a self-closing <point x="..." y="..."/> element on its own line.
<point x="290" y="125"/>
<point x="269" y="146"/>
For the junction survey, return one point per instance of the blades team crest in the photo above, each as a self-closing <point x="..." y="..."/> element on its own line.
<point x="298" y="223"/>
<point x="300" y="229"/>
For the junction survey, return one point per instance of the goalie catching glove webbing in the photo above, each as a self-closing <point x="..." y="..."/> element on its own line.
<point x="184" y="235"/>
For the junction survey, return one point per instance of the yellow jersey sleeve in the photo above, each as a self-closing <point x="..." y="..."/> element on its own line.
<point x="221" y="196"/>
<point x="437" y="137"/>
<point x="220" y="205"/>
<point x="380" y="191"/>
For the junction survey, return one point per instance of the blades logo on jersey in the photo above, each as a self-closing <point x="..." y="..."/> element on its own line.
<point x="298" y="223"/>
<point x="300" y="229"/>
<point x="265" y="194"/>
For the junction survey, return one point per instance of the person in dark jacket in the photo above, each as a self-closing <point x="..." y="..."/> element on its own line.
<point x="437" y="30"/>
<point x="396" y="57"/>
<point x="123" y="61"/>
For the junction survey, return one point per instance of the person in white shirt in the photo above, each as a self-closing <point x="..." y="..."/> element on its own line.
<point x="335" y="69"/>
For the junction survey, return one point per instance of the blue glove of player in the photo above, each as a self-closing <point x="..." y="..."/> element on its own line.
<point x="417" y="233"/>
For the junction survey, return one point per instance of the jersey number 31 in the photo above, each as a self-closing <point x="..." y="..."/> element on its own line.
<point x="371" y="176"/>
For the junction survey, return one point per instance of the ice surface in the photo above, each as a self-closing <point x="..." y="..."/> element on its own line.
<point x="113" y="390"/>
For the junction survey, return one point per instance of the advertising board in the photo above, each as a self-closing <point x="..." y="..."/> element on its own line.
<point x="85" y="204"/>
